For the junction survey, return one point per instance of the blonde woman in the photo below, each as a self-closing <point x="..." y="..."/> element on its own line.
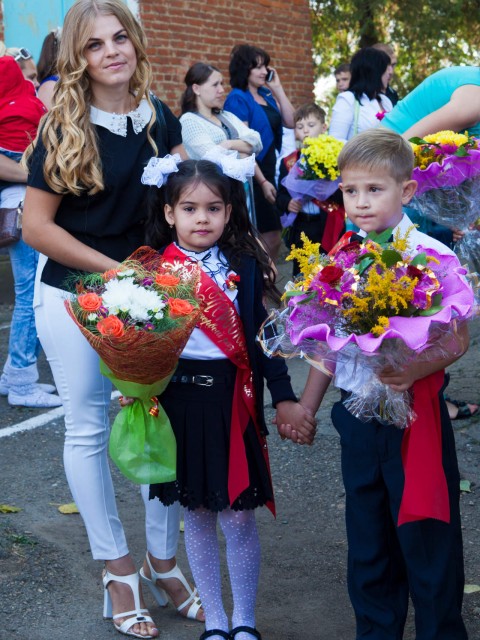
<point x="84" y="210"/>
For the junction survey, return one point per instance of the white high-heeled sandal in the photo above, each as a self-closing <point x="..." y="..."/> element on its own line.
<point x="160" y="594"/>
<point x="138" y="615"/>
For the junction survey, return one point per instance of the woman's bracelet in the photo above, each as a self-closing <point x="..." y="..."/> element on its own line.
<point x="263" y="182"/>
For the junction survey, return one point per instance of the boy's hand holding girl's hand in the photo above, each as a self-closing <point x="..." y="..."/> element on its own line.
<point x="295" y="422"/>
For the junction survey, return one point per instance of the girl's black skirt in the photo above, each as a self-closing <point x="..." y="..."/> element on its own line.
<point x="200" y="417"/>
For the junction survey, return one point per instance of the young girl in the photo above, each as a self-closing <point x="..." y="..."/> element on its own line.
<point x="215" y="398"/>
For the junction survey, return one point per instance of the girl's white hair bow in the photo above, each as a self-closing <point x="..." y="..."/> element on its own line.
<point x="158" y="169"/>
<point x="231" y="165"/>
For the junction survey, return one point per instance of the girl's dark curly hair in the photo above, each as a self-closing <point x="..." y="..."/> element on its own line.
<point x="367" y="68"/>
<point x="239" y="237"/>
<point x="198" y="73"/>
<point x="244" y="58"/>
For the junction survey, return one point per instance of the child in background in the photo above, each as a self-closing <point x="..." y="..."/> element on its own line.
<point x="342" y="77"/>
<point x="321" y="221"/>
<point x="422" y="557"/>
<point x="215" y="398"/>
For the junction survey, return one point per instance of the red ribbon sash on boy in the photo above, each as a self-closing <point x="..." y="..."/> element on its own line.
<point x="425" y="494"/>
<point x="222" y="324"/>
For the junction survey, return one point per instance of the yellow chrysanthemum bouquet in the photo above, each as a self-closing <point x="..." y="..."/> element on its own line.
<point x="366" y="305"/>
<point x="447" y="169"/>
<point x="316" y="173"/>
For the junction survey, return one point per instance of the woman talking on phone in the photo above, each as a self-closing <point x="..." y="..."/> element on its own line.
<point x="258" y="99"/>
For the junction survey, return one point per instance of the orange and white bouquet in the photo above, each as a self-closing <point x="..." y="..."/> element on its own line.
<point x="138" y="318"/>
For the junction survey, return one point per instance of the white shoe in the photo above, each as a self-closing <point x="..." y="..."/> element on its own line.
<point x="160" y="594"/>
<point x="137" y="614"/>
<point x="46" y="388"/>
<point x="32" y="396"/>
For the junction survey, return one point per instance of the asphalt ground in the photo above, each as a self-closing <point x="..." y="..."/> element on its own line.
<point x="50" y="588"/>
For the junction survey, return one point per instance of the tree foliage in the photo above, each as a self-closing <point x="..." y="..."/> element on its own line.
<point x="427" y="36"/>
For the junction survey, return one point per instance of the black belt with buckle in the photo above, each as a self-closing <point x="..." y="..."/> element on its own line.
<point x="200" y="380"/>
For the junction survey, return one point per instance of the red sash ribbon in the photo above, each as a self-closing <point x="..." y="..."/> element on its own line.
<point x="425" y="494"/>
<point x="222" y="324"/>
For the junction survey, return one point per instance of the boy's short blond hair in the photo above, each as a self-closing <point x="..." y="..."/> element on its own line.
<point x="309" y="109"/>
<point x="378" y="149"/>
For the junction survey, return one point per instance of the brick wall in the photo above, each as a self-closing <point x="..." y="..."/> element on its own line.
<point x="183" y="32"/>
<point x="1" y="21"/>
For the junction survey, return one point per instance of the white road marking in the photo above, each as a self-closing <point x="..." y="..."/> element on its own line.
<point x="39" y="421"/>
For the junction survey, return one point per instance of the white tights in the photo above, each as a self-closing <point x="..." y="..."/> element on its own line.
<point x="85" y="395"/>
<point x="243" y="559"/>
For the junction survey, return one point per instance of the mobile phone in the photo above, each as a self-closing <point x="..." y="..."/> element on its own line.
<point x="270" y="75"/>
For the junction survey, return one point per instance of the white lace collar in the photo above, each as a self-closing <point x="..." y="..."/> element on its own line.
<point x="117" y="122"/>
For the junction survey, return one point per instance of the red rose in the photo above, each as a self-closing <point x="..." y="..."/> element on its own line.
<point x="89" y="301"/>
<point x="352" y="246"/>
<point x="111" y="326"/>
<point x="330" y="274"/>
<point x="413" y="272"/>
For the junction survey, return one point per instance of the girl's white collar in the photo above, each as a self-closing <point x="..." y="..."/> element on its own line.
<point x="117" y="122"/>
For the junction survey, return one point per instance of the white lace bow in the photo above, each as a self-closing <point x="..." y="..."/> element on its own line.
<point x="158" y="169"/>
<point x="231" y="165"/>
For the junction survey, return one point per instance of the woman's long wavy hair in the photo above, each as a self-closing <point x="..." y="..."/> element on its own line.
<point x="198" y="73"/>
<point x="367" y="68"/>
<point x="72" y="162"/>
<point x="239" y="237"/>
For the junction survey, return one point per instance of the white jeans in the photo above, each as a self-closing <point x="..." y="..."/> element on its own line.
<point x="85" y="394"/>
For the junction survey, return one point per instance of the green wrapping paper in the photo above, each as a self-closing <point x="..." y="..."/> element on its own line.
<point x="142" y="445"/>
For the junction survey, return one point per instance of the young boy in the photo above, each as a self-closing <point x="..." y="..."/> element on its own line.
<point x="387" y="560"/>
<point x="321" y="221"/>
<point x="342" y="77"/>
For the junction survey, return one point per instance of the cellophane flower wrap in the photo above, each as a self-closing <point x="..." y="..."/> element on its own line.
<point x="315" y="174"/>
<point x="368" y="305"/>
<point x="447" y="169"/>
<point x="138" y="318"/>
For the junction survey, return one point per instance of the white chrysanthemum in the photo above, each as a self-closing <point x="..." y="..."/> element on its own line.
<point x="126" y="273"/>
<point x="145" y="303"/>
<point x="92" y="316"/>
<point x="119" y="295"/>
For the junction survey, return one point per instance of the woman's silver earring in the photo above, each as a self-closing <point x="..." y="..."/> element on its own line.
<point x="171" y="226"/>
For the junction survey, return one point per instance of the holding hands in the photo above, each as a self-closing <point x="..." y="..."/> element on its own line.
<point x="295" y="422"/>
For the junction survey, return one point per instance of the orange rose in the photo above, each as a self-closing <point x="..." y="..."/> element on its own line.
<point x="166" y="280"/>
<point x="111" y="273"/>
<point x="89" y="301"/>
<point x="111" y="326"/>
<point x="179" y="307"/>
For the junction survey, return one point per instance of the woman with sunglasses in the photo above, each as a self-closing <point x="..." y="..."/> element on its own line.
<point x="26" y="62"/>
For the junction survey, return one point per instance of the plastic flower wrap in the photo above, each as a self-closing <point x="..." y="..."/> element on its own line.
<point x="315" y="174"/>
<point x="365" y="306"/>
<point x="138" y="318"/>
<point x="447" y="169"/>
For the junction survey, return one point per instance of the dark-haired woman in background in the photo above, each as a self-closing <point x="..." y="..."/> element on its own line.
<point x="264" y="107"/>
<point x="364" y="104"/>
<point x="47" y="67"/>
<point x="204" y="122"/>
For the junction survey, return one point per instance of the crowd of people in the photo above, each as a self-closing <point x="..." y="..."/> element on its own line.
<point x="87" y="208"/>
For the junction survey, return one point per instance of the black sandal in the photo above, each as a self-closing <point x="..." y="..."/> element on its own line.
<point x="253" y="632"/>
<point x="463" y="410"/>
<point x="215" y="632"/>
